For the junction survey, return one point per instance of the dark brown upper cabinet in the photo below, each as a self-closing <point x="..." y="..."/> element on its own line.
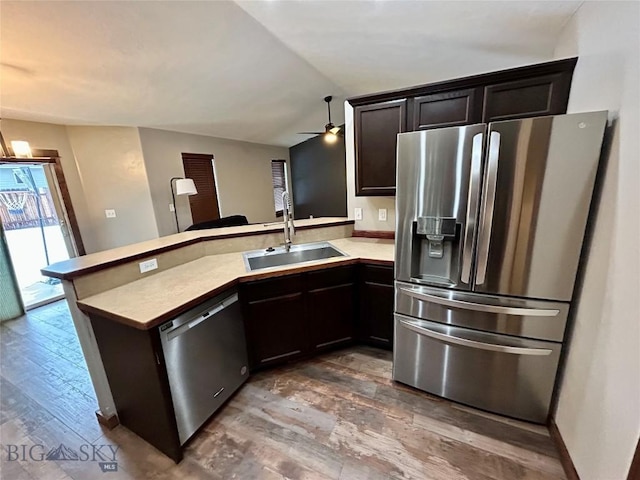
<point x="447" y="109"/>
<point x="530" y="91"/>
<point x="530" y="97"/>
<point x="376" y="129"/>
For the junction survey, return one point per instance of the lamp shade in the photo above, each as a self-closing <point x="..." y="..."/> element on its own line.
<point x="185" y="186"/>
<point x="21" y="148"/>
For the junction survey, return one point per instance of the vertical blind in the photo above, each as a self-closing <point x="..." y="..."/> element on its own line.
<point x="10" y="301"/>
<point x="279" y="184"/>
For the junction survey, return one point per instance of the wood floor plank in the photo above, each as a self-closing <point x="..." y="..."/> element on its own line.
<point x="308" y="454"/>
<point x="527" y="458"/>
<point x="15" y="405"/>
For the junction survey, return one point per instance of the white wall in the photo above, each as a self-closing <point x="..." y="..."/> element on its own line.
<point x="113" y="175"/>
<point x="598" y="412"/>
<point x="369" y="205"/>
<point x="47" y="136"/>
<point x="243" y="175"/>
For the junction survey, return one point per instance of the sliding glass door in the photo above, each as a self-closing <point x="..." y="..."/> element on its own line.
<point x="33" y="219"/>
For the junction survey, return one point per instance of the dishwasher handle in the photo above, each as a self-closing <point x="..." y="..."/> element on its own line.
<point x="177" y="331"/>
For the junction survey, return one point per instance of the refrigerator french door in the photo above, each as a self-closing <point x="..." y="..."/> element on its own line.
<point x="490" y="226"/>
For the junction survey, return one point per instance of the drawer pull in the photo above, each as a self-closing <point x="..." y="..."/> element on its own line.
<point x="480" y="307"/>
<point x="473" y="343"/>
<point x="218" y="392"/>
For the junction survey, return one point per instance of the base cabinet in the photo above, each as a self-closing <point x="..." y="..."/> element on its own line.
<point x="298" y="315"/>
<point x="331" y="308"/>
<point x="285" y="318"/>
<point x="273" y="310"/>
<point x="167" y="381"/>
<point x="134" y="363"/>
<point x="375" y="322"/>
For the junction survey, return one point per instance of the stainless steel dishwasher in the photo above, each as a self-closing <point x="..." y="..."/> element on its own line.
<point x="206" y="358"/>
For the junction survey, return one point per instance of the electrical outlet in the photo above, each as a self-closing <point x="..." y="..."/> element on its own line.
<point x="110" y="213"/>
<point x="358" y="213"/>
<point x="148" y="265"/>
<point x="382" y="214"/>
<point x="172" y="208"/>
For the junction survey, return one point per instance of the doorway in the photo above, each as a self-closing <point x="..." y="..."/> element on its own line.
<point x="204" y="205"/>
<point x="35" y="224"/>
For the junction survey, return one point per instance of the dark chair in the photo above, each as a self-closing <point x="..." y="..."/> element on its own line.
<point x="231" y="221"/>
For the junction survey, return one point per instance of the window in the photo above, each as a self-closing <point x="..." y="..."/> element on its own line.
<point x="279" y="179"/>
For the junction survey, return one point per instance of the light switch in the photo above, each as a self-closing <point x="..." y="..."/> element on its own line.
<point x="382" y="214"/>
<point x="358" y="213"/>
<point x="110" y="213"/>
<point x="172" y="208"/>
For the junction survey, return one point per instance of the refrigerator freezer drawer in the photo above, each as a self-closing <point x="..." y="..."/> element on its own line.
<point x="511" y="316"/>
<point x="501" y="374"/>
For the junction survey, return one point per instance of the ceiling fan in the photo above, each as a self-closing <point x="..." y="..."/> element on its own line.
<point x="330" y="130"/>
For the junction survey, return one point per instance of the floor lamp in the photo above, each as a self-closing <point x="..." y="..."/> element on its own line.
<point x="183" y="186"/>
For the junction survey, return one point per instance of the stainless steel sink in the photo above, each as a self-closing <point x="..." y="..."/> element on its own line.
<point x="278" y="256"/>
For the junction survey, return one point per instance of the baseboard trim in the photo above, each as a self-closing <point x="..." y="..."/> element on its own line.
<point x="374" y="234"/>
<point x="565" y="459"/>
<point x="110" y="422"/>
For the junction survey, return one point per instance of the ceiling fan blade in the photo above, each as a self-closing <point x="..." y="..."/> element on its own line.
<point x="311" y="133"/>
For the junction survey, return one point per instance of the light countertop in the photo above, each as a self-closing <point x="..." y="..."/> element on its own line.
<point x="147" y="302"/>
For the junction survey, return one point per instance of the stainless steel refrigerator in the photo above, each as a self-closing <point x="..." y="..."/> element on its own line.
<point x="490" y="227"/>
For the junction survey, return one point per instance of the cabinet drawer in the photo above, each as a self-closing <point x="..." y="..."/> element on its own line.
<point x="330" y="277"/>
<point x="377" y="274"/>
<point x="271" y="287"/>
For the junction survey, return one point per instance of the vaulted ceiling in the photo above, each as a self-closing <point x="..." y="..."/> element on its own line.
<point x="249" y="70"/>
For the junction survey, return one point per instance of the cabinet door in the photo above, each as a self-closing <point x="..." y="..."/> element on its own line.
<point x="275" y="329"/>
<point x="274" y="318"/>
<point x="448" y="109"/>
<point x="331" y="307"/>
<point x="376" y="306"/>
<point x="376" y="128"/>
<point x="531" y="97"/>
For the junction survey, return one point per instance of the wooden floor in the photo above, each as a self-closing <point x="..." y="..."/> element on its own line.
<point x="335" y="417"/>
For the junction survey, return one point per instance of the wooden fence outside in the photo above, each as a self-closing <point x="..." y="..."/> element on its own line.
<point x="27" y="216"/>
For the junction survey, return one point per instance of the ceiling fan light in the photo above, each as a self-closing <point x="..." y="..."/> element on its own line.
<point x="334" y="130"/>
<point x="330" y="137"/>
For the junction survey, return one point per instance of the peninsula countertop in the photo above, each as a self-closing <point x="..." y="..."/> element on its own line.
<point x="82" y="265"/>
<point x="150" y="301"/>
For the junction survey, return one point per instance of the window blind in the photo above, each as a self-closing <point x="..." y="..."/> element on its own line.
<point x="204" y="205"/>
<point x="279" y="184"/>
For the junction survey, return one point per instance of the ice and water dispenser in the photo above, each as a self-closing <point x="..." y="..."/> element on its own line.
<point x="436" y="250"/>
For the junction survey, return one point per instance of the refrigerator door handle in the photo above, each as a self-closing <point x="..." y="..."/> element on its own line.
<point x="488" y="200"/>
<point x="480" y="307"/>
<point x="472" y="206"/>
<point x="465" y="342"/>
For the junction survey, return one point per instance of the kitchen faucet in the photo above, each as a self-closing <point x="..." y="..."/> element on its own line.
<point x="289" y="227"/>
